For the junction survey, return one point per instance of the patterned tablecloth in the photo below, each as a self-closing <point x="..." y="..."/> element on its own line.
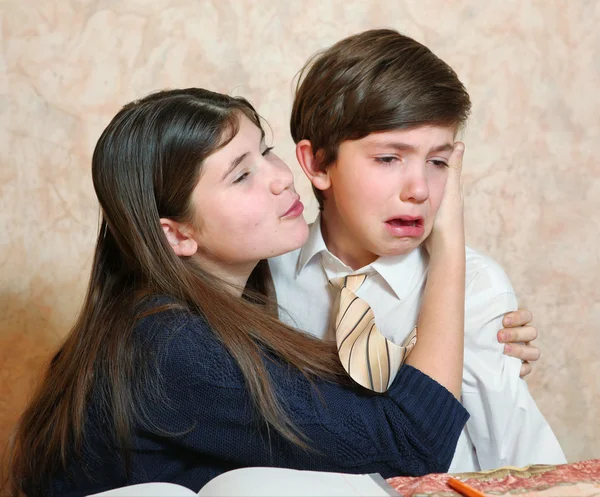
<point x="581" y="479"/>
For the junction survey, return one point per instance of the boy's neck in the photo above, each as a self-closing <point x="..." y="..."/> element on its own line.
<point x="341" y="244"/>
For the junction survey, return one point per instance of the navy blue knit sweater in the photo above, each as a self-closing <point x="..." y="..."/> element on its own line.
<point x="205" y="423"/>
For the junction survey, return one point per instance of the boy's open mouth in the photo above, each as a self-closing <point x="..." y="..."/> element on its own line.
<point x="406" y="221"/>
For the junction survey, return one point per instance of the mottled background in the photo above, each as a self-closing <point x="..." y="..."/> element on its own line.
<point x="532" y="174"/>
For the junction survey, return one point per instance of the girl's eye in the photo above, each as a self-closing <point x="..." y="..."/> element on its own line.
<point x="267" y="151"/>
<point x="241" y="177"/>
<point x="387" y="159"/>
<point x="439" y="163"/>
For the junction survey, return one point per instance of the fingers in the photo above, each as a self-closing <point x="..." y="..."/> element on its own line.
<point x="526" y="352"/>
<point x="520" y="334"/>
<point x="456" y="157"/>
<point x="453" y="188"/>
<point x="517" y="318"/>
<point x="521" y="351"/>
<point x="525" y="369"/>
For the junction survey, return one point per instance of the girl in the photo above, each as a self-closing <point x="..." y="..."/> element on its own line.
<point x="177" y="369"/>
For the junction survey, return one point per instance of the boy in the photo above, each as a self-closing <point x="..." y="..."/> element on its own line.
<point x="374" y="119"/>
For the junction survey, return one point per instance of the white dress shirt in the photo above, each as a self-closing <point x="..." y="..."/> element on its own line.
<point x="506" y="427"/>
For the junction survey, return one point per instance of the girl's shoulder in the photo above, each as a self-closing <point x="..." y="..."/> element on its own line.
<point x="160" y="317"/>
<point x="182" y="344"/>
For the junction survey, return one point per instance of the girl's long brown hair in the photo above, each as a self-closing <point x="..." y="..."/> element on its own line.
<point x="144" y="167"/>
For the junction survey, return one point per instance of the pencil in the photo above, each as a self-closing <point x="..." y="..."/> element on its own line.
<point x="464" y="489"/>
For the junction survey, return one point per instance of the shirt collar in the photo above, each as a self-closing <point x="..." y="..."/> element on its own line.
<point x="401" y="272"/>
<point x="313" y="246"/>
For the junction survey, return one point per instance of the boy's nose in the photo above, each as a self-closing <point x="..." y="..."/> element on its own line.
<point x="415" y="187"/>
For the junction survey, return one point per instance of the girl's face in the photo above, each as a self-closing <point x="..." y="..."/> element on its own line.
<point x="246" y="208"/>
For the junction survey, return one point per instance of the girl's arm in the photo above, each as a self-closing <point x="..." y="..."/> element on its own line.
<point x="209" y="417"/>
<point x="440" y="335"/>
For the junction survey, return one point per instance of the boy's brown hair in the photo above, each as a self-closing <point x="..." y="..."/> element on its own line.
<point x="378" y="80"/>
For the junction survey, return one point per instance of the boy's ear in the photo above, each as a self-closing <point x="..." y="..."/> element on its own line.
<point x="308" y="163"/>
<point x="179" y="237"/>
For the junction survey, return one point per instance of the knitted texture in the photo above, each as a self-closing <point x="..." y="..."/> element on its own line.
<point x="205" y="423"/>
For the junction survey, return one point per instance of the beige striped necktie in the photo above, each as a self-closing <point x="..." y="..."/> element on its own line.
<point x="368" y="357"/>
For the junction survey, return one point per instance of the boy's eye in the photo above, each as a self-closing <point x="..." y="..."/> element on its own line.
<point x="386" y="159"/>
<point x="267" y="151"/>
<point x="241" y="177"/>
<point x="439" y="163"/>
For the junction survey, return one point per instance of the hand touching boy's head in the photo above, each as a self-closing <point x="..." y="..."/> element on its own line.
<point x="374" y="119"/>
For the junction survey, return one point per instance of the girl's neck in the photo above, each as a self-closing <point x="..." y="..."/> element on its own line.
<point x="235" y="276"/>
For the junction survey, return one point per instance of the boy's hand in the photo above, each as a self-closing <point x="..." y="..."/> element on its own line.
<point x="517" y="331"/>
<point x="448" y="227"/>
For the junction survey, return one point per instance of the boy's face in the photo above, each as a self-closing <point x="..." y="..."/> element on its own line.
<point x="385" y="190"/>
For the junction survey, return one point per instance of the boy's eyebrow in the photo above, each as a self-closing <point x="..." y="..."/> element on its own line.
<point x="446" y="147"/>
<point x="234" y="163"/>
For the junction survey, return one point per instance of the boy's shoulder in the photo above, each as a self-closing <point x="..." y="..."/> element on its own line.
<point x="488" y="293"/>
<point x="484" y="274"/>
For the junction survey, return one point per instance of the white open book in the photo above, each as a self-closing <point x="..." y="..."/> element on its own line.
<point x="267" y="482"/>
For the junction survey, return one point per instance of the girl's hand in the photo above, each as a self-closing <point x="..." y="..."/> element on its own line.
<point x="448" y="231"/>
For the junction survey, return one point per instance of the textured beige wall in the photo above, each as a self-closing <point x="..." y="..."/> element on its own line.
<point x="532" y="174"/>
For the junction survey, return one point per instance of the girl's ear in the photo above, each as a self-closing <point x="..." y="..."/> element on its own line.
<point x="179" y="237"/>
<point x="308" y="163"/>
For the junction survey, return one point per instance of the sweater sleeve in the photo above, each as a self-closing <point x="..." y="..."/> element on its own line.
<point x="206" y="409"/>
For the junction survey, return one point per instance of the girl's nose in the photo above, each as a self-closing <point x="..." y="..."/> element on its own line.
<point x="282" y="177"/>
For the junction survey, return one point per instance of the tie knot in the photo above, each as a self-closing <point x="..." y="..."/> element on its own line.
<point x="352" y="282"/>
